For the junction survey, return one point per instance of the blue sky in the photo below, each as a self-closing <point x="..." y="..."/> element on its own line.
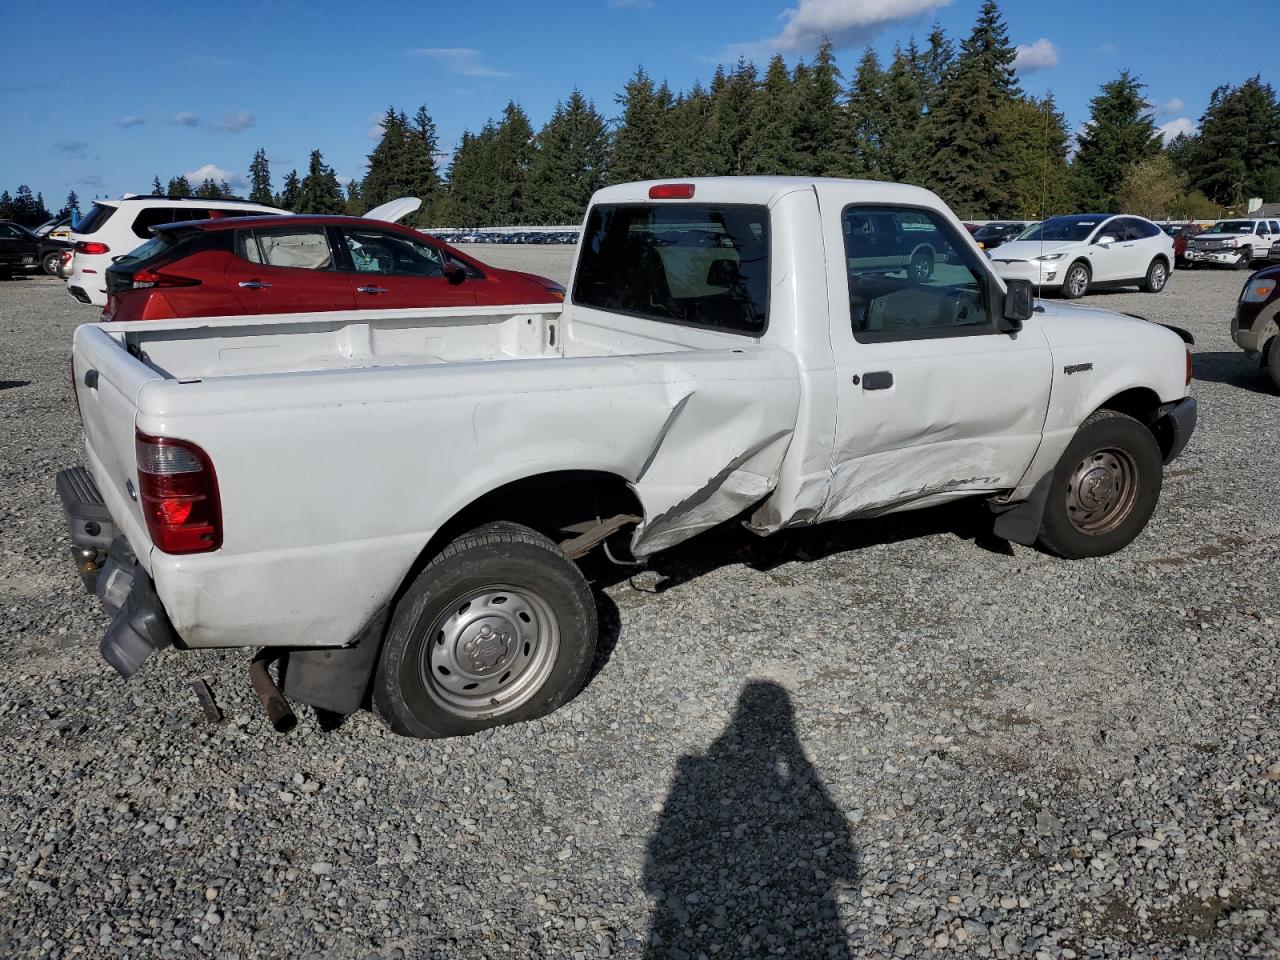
<point x="139" y="89"/>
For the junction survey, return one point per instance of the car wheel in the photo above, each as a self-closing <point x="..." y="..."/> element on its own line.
<point x="50" y="263"/>
<point x="1157" y="276"/>
<point x="499" y="627"/>
<point x="921" y="266"/>
<point x="1076" y="283"/>
<point x="1245" y="260"/>
<point x="1104" y="488"/>
<point x="1273" y="361"/>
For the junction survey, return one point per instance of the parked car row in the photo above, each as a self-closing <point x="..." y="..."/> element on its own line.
<point x="524" y="236"/>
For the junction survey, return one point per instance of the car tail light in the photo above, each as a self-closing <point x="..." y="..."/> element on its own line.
<point x="1188" y="367"/>
<point x="65" y="257"/>
<point x="178" y="491"/>
<point x="91" y="247"/>
<point x="671" y="191"/>
<point x="144" y="279"/>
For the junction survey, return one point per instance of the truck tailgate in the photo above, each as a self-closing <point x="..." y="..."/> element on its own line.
<point x="107" y="380"/>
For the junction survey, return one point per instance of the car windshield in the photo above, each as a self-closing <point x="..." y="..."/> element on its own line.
<point x="1062" y="228"/>
<point x="1232" y="226"/>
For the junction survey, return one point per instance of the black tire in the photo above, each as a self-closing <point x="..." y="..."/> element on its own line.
<point x="1157" y="276"/>
<point x="1272" y="358"/>
<point x="50" y="263"/>
<point x="1246" y="259"/>
<point x="499" y="562"/>
<point x="1108" y="444"/>
<point x="1072" y="291"/>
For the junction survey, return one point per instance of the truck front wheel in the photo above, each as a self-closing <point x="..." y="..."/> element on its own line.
<point x="497" y="628"/>
<point x="1104" y="489"/>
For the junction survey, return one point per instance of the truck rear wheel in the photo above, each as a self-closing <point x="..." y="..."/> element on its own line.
<point x="498" y="628"/>
<point x="1104" y="489"/>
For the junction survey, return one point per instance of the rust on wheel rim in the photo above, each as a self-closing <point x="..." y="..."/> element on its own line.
<point x="1102" y="490"/>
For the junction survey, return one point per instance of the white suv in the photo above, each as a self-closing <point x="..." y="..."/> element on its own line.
<point x="113" y="228"/>
<point x="1075" y="254"/>
<point x="1235" y="243"/>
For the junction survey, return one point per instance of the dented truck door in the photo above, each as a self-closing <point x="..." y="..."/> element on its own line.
<point x="933" y="400"/>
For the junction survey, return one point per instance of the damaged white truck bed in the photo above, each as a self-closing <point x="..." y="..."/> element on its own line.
<point x="392" y="499"/>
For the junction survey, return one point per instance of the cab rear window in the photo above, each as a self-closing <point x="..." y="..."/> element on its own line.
<point x="704" y="265"/>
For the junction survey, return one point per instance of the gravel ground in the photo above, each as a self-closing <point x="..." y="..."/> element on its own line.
<point x="896" y="737"/>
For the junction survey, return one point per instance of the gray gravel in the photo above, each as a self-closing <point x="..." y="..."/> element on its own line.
<point x="893" y="738"/>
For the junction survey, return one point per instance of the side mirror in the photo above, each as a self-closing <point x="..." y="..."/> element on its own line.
<point x="1019" y="304"/>
<point x="454" y="273"/>
<point x="1105" y="241"/>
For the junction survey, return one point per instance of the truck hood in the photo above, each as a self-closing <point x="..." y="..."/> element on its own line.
<point x="1224" y="236"/>
<point x="1028" y="249"/>
<point x="1071" y="325"/>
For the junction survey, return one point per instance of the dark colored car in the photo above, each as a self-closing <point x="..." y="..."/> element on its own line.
<point x="1181" y="233"/>
<point x="304" y="264"/>
<point x="20" y="249"/>
<point x="991" y="235"/>
<point x="1256" y="326"/>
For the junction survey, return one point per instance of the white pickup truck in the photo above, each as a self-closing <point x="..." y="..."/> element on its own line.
<point x="392" y="502"/>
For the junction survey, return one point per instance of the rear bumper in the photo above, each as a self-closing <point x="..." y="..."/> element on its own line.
<point x="109" y="570"/>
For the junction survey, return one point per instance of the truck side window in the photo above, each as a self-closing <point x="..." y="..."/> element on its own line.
<point x="705" y="265"/>
<point x="910" y="276"/>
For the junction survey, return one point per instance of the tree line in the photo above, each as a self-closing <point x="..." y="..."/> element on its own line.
<point x="952" y="119"/>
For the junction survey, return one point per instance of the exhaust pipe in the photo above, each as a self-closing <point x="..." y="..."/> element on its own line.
<point x="278" y="710"/>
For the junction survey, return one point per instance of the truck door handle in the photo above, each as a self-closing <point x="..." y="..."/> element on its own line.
<point x="878" y="380"/>
<point x="253" y="285"/>
<point x="371" y="289"/>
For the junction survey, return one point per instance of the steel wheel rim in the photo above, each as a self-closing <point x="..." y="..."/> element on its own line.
<point x="1102" y="491"/>
<point x="489" y="651"/>
<point x="1076" y="281"/>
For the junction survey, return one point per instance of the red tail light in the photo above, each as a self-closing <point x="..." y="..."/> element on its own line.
<point x="1188" y="366"/>
<point x="671" y="191"/>
<point x="92" y="247"/>
<point x="144" y="278"/>
<point x="178" y="490"/>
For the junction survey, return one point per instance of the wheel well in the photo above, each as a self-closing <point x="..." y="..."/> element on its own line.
<point x="550" y="503"/>
<point x="1084" y="263"/>
<point x="1141" y="403"/>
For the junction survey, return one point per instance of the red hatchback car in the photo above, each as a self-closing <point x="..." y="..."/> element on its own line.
<point x="304" y="264"/>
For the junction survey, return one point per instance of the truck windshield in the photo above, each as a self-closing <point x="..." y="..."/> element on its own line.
<point x="1063" y="228"/>
<point x="698" y="264"/>
<point x="1232" y="226"/>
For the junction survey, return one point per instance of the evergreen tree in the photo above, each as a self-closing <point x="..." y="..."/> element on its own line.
<point x="1237" y="152"/>
<point x="772" y="146"/>
<point x="643" y="142"/>
<point x="26" y="209"/>
<point x="72" y="203"/>
<point x="179" y="187"/>
<point x="209" y="190"/>
<point x="260" y="179"/>
<point x="569" y="163"/>
<point x="157" y="190"/>
<point x="423" y="145"/>
<point x="390" y="174"/>
<point x="902" y="144"/>
<point x="820" y="130"/>
<point x="512" y="152"/>
<point x="470" y="200"/>
<point x="867" y="117"/>
<point x="731" y="115"/>
<point x="287" y="199"/>
<point x="355" y="205"/>
<point x="319" y="191"/>
<point x="969" y="157"/>
<point x="938" y="62"/>
<point x="1038" y="142"/>
<point x="693" y="152"/>
<point x="6" y="206"/>
<point x="1179" y="151"/>
<point x="1119" y="134"/>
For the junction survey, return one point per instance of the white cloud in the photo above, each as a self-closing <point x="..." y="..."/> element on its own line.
<point x="187" y="119"/>
<point x="1041" y="55"/>
<point x="1169" y="108"/>
<point x="343" y="181"/>
<point x="375" y="126"/>
<point x="849" y="23"/>
<point x="461" y="60"/>
<point x="210" y="171"/>
<point x="1181" y="125"/>
<point x="236" y="122"/>
<point x="131" y="121"/>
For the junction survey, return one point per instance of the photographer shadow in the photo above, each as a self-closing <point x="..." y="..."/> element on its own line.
<point x="750" y="851"/>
